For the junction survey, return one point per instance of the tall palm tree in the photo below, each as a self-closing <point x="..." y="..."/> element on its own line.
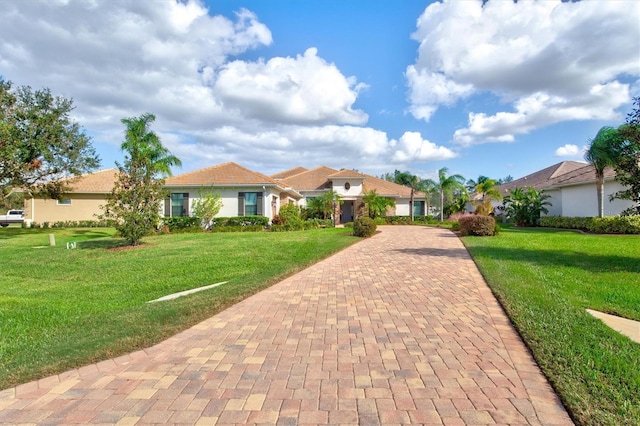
<point x="602" y="154"/>
<point x="447" y="185"/>
<point x="144" y="146"/>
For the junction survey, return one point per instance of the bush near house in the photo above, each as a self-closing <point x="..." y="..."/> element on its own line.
<point x="599" y="225"/>
<point x="477" y="225"/>
<point x="364" y="227"/>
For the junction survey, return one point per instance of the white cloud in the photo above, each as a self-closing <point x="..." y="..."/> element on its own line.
<point x="570" y="151"/>
<point x="119" y="59"/>
<point x="552" y="61"/>
<point x="305" y="89"/>
<point x="411" y="147"/>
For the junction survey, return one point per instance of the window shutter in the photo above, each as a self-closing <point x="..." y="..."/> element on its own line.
<point x="260" y="204"/>
<point x="185" y="204"/>
<point x="240" y="203"/>
<point x="167" y="206"/>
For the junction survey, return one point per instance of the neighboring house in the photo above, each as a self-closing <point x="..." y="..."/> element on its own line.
<point x="351" y="186"/>
<point x="572" y="187"/>
<point x="243" y="192"/>
<point x="88" y="192"/>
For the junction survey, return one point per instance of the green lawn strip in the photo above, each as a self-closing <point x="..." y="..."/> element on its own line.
<point x="545" y="279"/>
<point x="61" y="309"/>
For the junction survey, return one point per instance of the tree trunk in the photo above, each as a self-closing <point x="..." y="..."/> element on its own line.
<point x="600" y="188"/>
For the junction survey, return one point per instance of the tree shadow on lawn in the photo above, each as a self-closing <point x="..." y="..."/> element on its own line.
<point x="105" y="244"/>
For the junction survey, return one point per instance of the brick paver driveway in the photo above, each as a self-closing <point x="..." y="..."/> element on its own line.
<point x="397" y="329"/>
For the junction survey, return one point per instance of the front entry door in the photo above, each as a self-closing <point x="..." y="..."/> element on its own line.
<point x="347" y="212"/>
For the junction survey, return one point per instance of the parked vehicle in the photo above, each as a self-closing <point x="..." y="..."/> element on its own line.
<point x="12" y="216"/>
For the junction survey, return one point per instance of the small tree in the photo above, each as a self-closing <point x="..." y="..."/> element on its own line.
<point x="627" y="165"/>
<point x="524" y="206"/>
<point x="484" y="206"/>
<point x="324" y="205"/>
<point x="376" y="204"/>
<point x="206" y="207"/>
<point x="134" y="203"/>
<point x="40" y="146"/>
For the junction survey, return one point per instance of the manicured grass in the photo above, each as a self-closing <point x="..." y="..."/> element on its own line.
<point x="61" y="309"/>
<point x="545" y="279"/>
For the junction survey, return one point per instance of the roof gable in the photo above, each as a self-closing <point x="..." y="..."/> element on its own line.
<point x="346" y="173"/>
<point x="288" y="173"/>
<point x="311" y="180"/>
<point x="222" y="174"/>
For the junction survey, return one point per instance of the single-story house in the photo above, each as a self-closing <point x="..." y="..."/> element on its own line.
<point x="88" y="193"/>
<point x="243" y="193"/>
<point x="351" y="187"/>
<point x="571" y="186"/>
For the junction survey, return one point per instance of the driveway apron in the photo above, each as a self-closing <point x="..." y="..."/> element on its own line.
<point x="400" y="328"/>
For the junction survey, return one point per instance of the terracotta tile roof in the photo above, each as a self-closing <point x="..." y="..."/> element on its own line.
<point x="97" y="182"/>
<point x="288" y="173"/>
<point x="346" y="173"/>
<point x="311" y="180"/>
<point x="388" y="189"/>
<point x="542" y="179"/>
<point x="222" y="174"/>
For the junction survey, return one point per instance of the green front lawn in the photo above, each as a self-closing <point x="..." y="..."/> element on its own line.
<point x="545" y="279"/>
<point x="61" y="309"/>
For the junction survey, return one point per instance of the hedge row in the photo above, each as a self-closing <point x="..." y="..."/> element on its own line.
<point x="404" y="220"/>
<point x="600" y="225"/>
<point x="70" y="224"/>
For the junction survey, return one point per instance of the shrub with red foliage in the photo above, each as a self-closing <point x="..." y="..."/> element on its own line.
<point x="477" y="225"/>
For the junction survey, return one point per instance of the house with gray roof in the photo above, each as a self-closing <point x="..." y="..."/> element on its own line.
<point x="572" y="188"/>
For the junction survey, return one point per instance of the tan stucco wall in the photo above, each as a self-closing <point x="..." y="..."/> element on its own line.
<point x="82" y="207"/>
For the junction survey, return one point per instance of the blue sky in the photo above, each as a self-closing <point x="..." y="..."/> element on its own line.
<point x="500" y="89"/>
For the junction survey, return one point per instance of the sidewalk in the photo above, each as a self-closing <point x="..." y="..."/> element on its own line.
<point x="398" y="329"/>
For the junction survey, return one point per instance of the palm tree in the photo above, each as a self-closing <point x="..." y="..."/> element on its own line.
<point x="489" y="193"/>
<point x="144" y="146"/>
<point x="410" y="180"/>
<point x="447" y="185"/>
<point x="430" y="188"/>
<point x="601" y="154"/>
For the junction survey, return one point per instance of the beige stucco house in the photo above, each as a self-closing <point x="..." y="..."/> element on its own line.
<point x="88" y="193"/>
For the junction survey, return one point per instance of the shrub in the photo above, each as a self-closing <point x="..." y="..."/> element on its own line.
<point x="477" y="225"/>
<point x="364" y="227"/>
<point x="178" y="223"/>
<point x="278" y="220"/>
<point x="602" y="225"/>
<point x="241" y="221"/>
<point x="377" y="221"/>
<point x="349" y="224"/>
<point x="290" y="213"/>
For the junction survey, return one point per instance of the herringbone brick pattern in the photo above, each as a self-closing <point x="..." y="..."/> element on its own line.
<point x="398" y="329"/>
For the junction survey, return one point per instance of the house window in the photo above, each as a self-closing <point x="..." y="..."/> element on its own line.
<point x="347" y="186"/>
<point x="64" y="202"/>
<point x="179" y="204"/>
<point x="418" y="208"/>
<point x="249" y="203"/>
